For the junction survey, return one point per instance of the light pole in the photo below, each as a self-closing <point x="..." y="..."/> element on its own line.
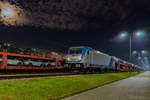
<point x="130" y="47"/>
<point x="124" y="35"/>
<point x="142" y="58"/>
<point x="130" y="35"/>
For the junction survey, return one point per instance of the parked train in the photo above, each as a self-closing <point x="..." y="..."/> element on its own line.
<point x="84" y="58"/>
<point x="78" y="58"/>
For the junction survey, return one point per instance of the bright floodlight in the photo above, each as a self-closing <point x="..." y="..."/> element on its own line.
<point x="139" y="58"/>
<point x="123" y="35"/>
<point x="144" y="52"/>
<point x="134" y="52"/>
<point x="7" y="12"/>
<point x="140" y="33"/>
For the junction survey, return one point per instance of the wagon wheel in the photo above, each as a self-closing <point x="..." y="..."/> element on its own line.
<point x="19" y="64"/>
<point x="30" y="65"/>
<point x="42" y="65"/>
<point x="48" y="65"/>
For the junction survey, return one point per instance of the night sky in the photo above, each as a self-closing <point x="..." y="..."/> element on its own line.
<point x="59" y="24"/>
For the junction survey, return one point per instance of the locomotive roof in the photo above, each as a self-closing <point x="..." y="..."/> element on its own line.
<point x="79" y="47"/>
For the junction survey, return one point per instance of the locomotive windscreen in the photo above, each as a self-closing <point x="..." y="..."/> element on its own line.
<point x="76" y="51"/>
<point x="74" y="54"/>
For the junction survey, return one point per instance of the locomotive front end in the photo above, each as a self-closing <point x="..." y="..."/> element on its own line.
<point x="77" y="57"/>
<point x="74" y="57"/>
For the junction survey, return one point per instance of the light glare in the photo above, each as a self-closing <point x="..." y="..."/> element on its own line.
<point x="124" y="35"/>
<point x="140" y="33"/>
<point x="134" y="52"/>
<point x="144" y="52"/>
<point x="7" y="12"/>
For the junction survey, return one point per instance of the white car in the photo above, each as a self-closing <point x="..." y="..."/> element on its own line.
<point x="14" y="62"/>
<point x="50" y="64"/>
<point x="31" y="63"/>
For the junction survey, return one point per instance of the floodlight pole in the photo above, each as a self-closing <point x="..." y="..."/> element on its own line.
<point x="130" y="47"/>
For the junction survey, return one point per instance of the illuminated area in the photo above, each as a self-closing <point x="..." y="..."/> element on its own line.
<point x="7" y="12"/>
<point x="124" y="34"/>
<point x="135" y="52"/>
<point x="140" y="33"/>
<point x="11" y="14"/>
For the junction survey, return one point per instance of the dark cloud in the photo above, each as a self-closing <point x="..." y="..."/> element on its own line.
<point x="75" y="14"/>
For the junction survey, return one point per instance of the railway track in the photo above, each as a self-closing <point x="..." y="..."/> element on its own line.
<point x="20" y="76"/>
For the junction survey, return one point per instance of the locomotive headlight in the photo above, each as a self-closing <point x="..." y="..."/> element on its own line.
<point x="78" y="57"/>
<point x="68" y="59"/>
<point x="74" y="58"/>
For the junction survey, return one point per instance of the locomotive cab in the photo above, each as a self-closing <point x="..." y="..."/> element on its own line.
<point x="76" y="57"/>
<point x="74" y="54"/>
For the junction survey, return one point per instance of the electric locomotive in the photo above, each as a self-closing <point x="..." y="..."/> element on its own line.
<point x="85" y="58"/>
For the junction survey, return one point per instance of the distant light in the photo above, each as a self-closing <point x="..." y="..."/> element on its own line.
<point x="134" y="52"/>
<point x="140" y="33"/>
<point x="124" y="34"/>
<point x="139" y="58"/>
<point x="145" y="57"/>
<point x="144" y="52"/>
